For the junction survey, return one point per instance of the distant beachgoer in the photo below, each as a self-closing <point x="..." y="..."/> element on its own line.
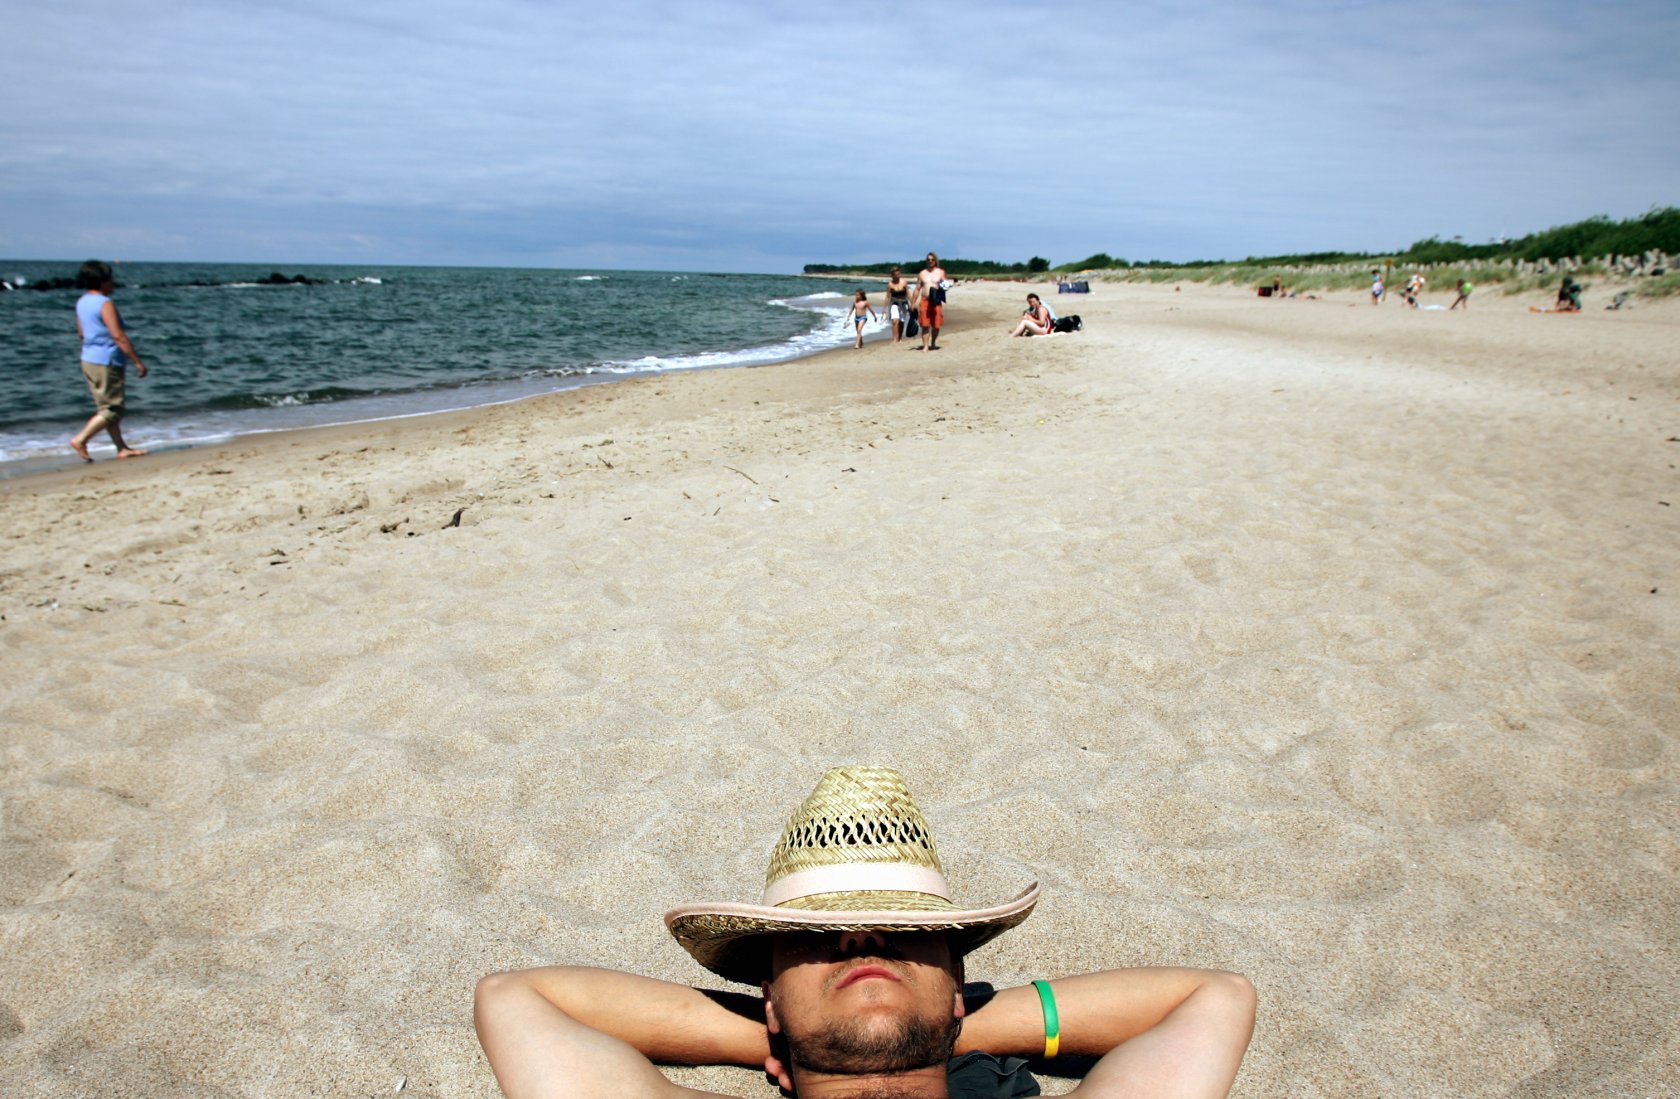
<point x="1569" y="296"/>
<point x="106" y="350"/>
<point x="1463" y="298"/>
<point x="1376" y="287"/>
<point x="898" y="303"/>
<point x="929" y="297"/>
<point x="1414" y="288"/>
<point x="1036" y="320"/>
<point x="1277" y="287"/>
<point x="861" y="309"/>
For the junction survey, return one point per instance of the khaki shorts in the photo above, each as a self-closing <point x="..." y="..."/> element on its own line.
<point x="106" y="385"/>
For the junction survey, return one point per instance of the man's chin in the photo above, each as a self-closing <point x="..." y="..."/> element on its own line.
<point x="875" y="1044"/>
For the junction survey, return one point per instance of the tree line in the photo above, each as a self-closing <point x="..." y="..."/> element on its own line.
<point x="959" y="268"/>
<point x="1658" y="230"/>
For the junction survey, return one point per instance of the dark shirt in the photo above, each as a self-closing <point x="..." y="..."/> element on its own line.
<point x="982" y="1076"/>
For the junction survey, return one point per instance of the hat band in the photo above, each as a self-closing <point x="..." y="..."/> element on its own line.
<point x="896" y="877"/>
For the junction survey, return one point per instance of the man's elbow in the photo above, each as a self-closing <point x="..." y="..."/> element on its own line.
<point x="1236" y="996"/>
<point x="498" y="990"/>
<point x="489" y="991"/>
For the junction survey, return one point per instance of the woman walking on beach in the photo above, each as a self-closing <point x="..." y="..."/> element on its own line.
<point x="106" y="350"/>
<point x="860" y="308"/>
<point x="898" y="303"/>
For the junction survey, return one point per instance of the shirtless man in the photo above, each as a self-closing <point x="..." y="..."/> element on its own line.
<point x="929" y="299"/>
<point x="857" y="953"/>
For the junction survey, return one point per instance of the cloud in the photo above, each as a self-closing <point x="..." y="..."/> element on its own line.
<point x="732" y="133"/>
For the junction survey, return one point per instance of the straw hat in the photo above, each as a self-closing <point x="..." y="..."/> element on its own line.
<point x="856" y="856"/>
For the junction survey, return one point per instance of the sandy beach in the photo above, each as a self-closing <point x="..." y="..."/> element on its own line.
<point x="1332" y="644"/>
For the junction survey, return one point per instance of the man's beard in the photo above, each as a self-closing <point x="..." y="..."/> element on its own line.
<point x="854" y="1048"/>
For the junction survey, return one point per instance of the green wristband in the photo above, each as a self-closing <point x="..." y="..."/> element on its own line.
<point x="1052" y="1021"/>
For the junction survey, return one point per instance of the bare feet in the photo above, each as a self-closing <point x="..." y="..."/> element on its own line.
<point x="130" y="452"/>
<point x="81" y="450"/>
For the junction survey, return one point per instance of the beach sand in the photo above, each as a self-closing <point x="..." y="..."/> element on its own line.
<point x="1330" y="644"/>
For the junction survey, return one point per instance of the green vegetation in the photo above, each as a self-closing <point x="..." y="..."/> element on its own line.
<point x="1447" y="261"/>
<point x="1663" y="286"/>
<point x="1658" y="230"/>
<point x="956" y="268"/>
<point x="1102" y="261"/>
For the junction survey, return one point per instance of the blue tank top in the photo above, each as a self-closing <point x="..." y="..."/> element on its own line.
<point x="97" y="344"/>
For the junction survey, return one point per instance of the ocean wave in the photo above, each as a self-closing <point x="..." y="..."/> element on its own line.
<point x="822" y="338"/>
<point x="235" y="402"/>
<point x="405" y="343"/>
<point x="810" y="301"/>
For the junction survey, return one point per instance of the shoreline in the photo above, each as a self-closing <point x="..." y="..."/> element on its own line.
<point x="318" y="382"/>
<point x="69" y="468"/>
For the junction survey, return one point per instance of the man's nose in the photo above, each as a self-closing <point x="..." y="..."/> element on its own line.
<point x="861" y="942"/>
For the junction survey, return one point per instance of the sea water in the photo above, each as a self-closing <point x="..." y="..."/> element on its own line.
<point x="232" y="354"/>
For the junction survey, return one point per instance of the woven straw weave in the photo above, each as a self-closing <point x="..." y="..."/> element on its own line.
<point x="856" y="815"/>
<point x="859" y="814"/>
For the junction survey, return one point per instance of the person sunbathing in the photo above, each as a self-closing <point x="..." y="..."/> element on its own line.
<point x="857" y="954"/>
<point x="1036" y="320"/>
<point x="1568" y="297"/>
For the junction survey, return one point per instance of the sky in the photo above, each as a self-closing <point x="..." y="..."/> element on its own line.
<point x="734" y="136"/>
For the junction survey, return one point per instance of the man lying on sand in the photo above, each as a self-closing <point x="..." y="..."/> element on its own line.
<point x="858" y="953"/>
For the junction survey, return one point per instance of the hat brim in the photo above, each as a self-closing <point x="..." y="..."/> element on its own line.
<point x="732" y="940"/>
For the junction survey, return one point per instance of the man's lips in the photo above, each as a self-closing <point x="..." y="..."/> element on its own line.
<point x="865" y="972"/>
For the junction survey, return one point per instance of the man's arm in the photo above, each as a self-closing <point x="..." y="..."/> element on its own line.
<point x="1159" y="1031"/>
<point x="574" y="1031"/>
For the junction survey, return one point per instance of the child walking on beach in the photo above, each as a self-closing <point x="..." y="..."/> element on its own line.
<point x="861" y="308"/>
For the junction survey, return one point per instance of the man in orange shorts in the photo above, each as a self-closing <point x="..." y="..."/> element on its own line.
<point x="929" y="297"/>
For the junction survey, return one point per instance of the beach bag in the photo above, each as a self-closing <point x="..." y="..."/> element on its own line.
<point x="911" y="325"/>
<point x="1069" y="323"/>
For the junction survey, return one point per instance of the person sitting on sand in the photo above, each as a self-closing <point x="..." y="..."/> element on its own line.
<point x="1036" y="320"/>
<point x="861" y="309"/>
<point x="1463" y="298"/>
<point x="1569" y="296"/>
<point x="857" y="956"/>
<point x="106" y="350"/>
